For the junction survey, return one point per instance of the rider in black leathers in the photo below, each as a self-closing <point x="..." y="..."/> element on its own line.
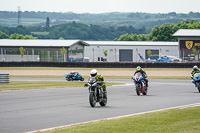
<point x="140" y="70"/>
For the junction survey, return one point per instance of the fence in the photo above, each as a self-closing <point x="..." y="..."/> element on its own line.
<point x="4" y="78"/>
<point x="99" y="64"/>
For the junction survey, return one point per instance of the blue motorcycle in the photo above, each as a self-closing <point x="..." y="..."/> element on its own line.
<point x="74" y="76"/>
<point x="140" y="84"/>
<point x="196" y="80"/>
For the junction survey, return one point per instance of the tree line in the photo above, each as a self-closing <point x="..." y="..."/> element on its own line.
<point x="106" y="20"/>
<point x="73" y="31"/>
<point x="100" y="16"/>
<point x="95" y="32"/>
<point x="161" y="33"/>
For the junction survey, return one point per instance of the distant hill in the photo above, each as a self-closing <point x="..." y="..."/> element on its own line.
<point x="113" y="19"/>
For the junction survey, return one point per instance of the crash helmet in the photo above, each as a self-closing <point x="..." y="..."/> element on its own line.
<point x="195" y="67"/>
<point x="93" y="73"/>
<point x="138" y="68"/>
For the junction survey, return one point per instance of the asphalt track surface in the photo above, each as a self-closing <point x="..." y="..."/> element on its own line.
<point x="29" y="110"/>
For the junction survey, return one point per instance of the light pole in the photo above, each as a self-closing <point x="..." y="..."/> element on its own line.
<point x="93" y="54"/>
<point x="136" y="54"/>
<point x="115" y="54"/>
<point x="160" y="52"/>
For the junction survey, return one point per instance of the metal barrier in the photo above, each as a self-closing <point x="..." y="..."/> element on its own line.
<point x="100" y="64"/>
<point x="4" y="78"/>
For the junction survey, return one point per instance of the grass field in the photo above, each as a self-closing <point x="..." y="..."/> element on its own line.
<point x="40" y="33"/>
<point x="185" y="120"/>
<point x="25" y="21"/>
<point x="22" y="85"/>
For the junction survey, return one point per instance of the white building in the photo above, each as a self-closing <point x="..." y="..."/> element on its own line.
<point x="127" y="51"/>
<point x="41" y="50"/>
<point x="77" y="50"/>
<point x="189" y="41"/>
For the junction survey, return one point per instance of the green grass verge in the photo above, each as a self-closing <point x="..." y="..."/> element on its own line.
<point x="22" y="85"/>
<point x="37" y="76"/>
<point x="170" y="77"/>
<point x="106" y="77"/>
<point x="108" y="69"/>
<point x="185" y="120"/>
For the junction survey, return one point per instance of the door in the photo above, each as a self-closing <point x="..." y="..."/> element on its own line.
<point x="125" y="55"/>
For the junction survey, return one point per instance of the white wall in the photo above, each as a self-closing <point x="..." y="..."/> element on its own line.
<point x="18" y="58"/>
<point x="93" y="52"/>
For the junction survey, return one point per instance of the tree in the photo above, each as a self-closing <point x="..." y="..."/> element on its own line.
<point x="61" y="38"/>
<point x="194" y="50"/>
<point x="105" y="52"/>
<point x="22" y="51"/>
<point x="3" y="35"/>
<point x="63" y="52"/>
<point x="20" y="36"/>
<point x="16" y="36"/>
<point x="29" y="37"/>
<point x="149" y="52"/>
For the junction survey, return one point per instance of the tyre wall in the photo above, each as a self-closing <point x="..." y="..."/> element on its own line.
<point x="98" y="64"/>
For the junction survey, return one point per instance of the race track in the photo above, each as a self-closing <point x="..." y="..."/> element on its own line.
<point x="28" y="110"/>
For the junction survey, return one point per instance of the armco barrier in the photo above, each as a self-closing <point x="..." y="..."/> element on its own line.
<point x="99" y="64"/>
<point x="4" y="78"/>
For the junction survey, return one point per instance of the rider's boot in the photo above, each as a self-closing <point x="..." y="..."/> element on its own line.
<point x="147" y="84"/>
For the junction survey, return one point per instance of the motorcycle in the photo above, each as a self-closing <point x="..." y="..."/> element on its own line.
<point x="96" y="92"/>
<point x="140" y="84"/>
<point x="74" y="76"/>
<point x="196" y="80"/>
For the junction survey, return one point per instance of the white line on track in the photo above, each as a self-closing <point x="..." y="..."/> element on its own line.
<point x="179" y="107"/>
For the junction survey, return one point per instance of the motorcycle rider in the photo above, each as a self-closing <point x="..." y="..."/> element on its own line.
<point x="71" y="75"/>
<point x="98" y="77"/>
<point x="195" y="70"/>
<point x="140" y="70"/>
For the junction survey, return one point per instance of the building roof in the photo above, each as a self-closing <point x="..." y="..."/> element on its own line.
<point x="40" y="43"/>
<point x="187" y="33"/>
<point x="130" y="43"/>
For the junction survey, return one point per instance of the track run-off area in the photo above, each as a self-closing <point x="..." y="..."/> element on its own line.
<point x="36" y="109"/>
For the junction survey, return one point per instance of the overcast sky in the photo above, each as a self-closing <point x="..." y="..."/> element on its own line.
<point x="102" y="6"/>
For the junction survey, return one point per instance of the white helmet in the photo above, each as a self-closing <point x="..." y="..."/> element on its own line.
<point x="93" y="73"/>
<point x="195" y="67"/>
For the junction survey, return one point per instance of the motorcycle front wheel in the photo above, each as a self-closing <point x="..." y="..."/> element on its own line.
<point x="92" y="99"/>
<point x="198" y="87"/>
<point x="137" y="88"/>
